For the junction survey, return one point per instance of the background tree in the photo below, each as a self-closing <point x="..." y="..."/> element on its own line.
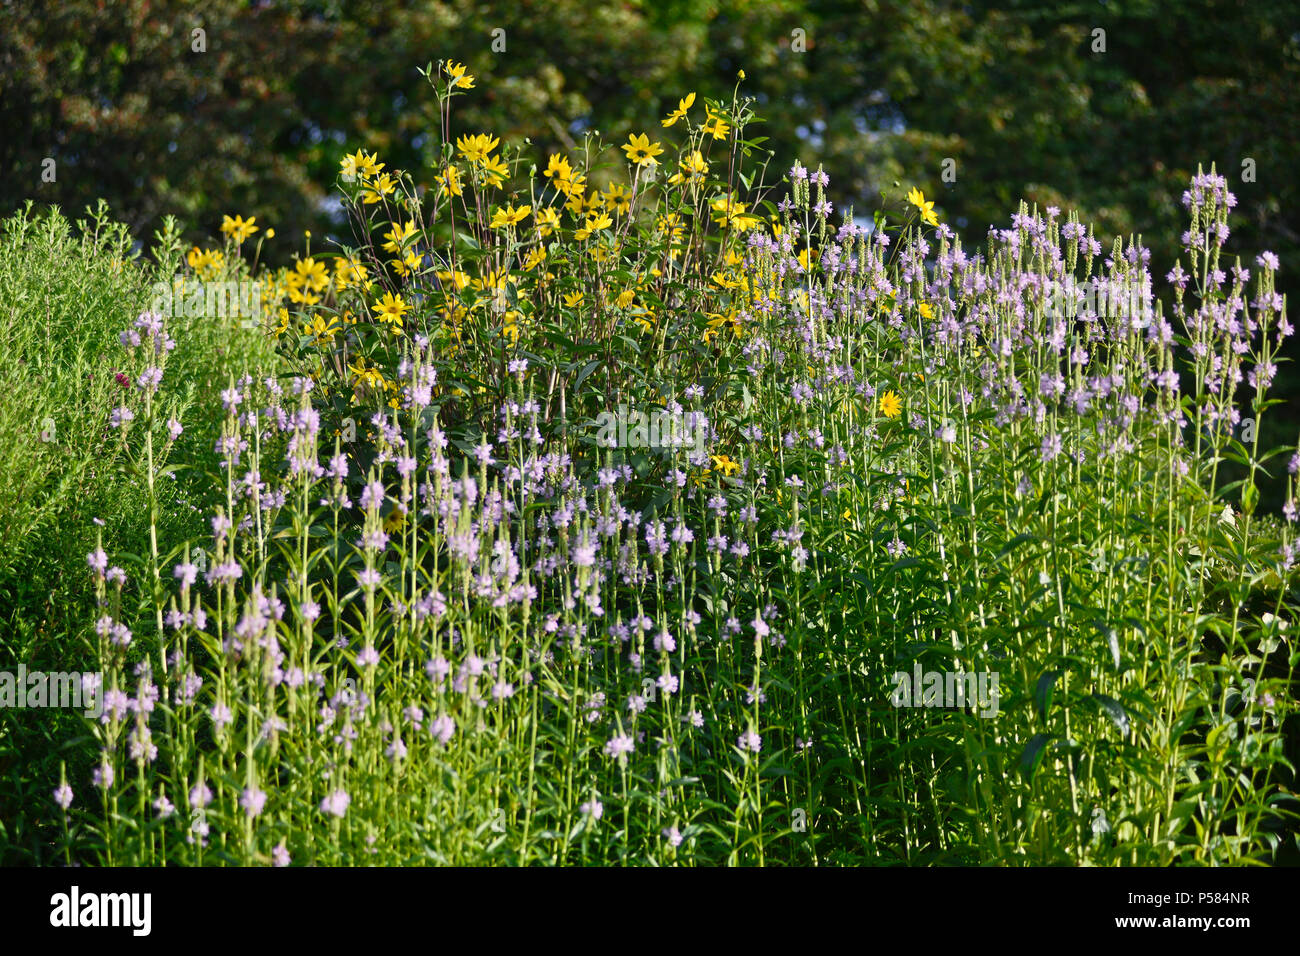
<point x="1106" y="107"/>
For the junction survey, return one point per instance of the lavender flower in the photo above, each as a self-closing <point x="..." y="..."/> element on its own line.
<point x="336" y="804"/>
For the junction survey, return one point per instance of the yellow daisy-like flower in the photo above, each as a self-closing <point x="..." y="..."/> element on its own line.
<point x="563" y="176"/>
<point x="390" y="309"/>
<point x="383" y="186"/>
<point x="510" y="327"/>
<point x="536" y="256"/>
<point x="730" y="213"/>
<point x="408" y="265"/>
<point x="724" y="464"/>
<point x="201" y="260"/>
<point x="459" y="77"/>
<point x="238" y="228"/>
<point x="348" y="273"/>
<point x="395" y="520"/>
<point x="371" y="377"/>
<point x="548" y="220"/>
<point x="572" y="300"/>
<point x="398" y="237"/>
<point x="917" y="199"/>
<point x="509" y="216"/>
<point x="926" y="310"/>
<point x="456" y="280"/>
<point x="618" y="199"/>
<point x="323" y="328"/>
<point x="593" y="225"/>
<point x="891" y="406"/>
<point x="718" y="321"/>
<point x="300" y="289"/>
<point x="693" y="169"/>
<point x="495" y="171"/>
<point x="680" y="113"/>
<point x="558" y="168"/>
<point x="717" y="127"/>
<point x="477" y="148"/>
<point x="641" y="151"/>
<point x="581" y="206"/>
<point x="311" y="273"/>
<point x="449" y="179"/>
<point x="359" y="163"/>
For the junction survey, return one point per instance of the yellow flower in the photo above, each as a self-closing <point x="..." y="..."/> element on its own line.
<point x="378" y="189"/>
<point x="395" y="520"/>
<point x="594" y="224"/>
<point x="509" y="216"/>
<point x="890" y="405"/>
<point x="390" y="309"/>
<point x="322" y="328"/>
<point x="205" y="262"/>
<point x="398" y="236"/>
<point x="449" y="179"/>
<point x="558" y="168"/>
<point x="693" y="169"/>
<point x="510" y="327"/>
<point x="926" y="310"/>
<point x="409" y="264"/>
<point x="311" y="273"/>
<point x="917" y="199"/>
<point x="618" y="199"/>
<point x="496" y="171"/>
<point x="477" y="148"/>
<point x="459" y="77"/>
<point x="548" y="220"/>
<point x="359" y="163"/>
<point x="724" y="464"/>
<point x="349" y="273"/>
<point x="725" y="280"/>
<point x="238" y="228"/>
<point x="572" y="300"/>
<point x="581" y="206"/>
<point x="563" y="177"/>
<point x="367" y="376"/>
<point x="457" y="280"/>
<point x="641" y="151"/>
<point x="732" y="213"/>
<point x="300" y="291"/>
<point x="680" y="113"/>
<point x="717" y="126"/>
<point x="536" y="256"/>
<point x="717" y="321"/>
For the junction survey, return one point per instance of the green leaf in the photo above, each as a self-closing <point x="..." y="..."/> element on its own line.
<point x="1043" y="691"/>
<point x="1115" y="711"/>
<point x="1032" y="755"/>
